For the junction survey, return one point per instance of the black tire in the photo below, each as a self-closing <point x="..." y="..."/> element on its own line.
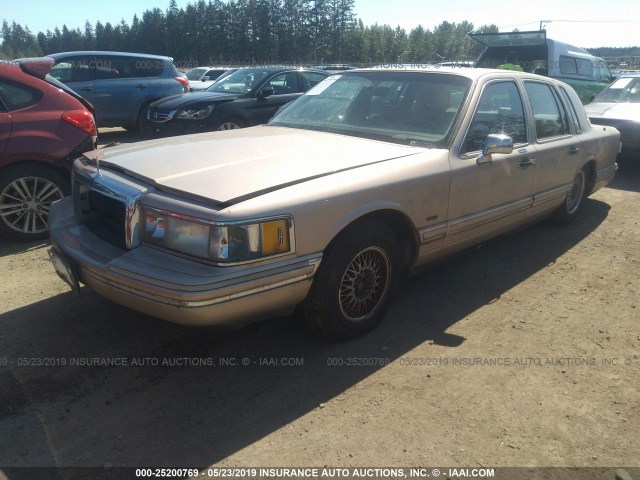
<point x="23" y="215"/>
<point x="142" y="123"/>
<point x="355" y="283"/>
<point x="568" y="211"/>
<point x="230" y="124"/>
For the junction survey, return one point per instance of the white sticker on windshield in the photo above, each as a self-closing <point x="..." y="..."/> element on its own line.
<point x="323" y="85"/>
<point x="621" y="83"/>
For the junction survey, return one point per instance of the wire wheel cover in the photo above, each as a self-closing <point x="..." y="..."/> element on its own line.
<point x="364" y="284"/>
<point x="575" y="194"/>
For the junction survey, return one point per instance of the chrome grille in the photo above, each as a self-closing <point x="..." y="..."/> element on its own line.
<point x="108" y="204"/>
<point x="159" y="116"/>
<point x="105" y="216"/>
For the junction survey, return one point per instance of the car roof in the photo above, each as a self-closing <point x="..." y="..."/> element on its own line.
<point x="276" y="69"/>
<point x="469" y="72"/>
<point x="108" y="52"/>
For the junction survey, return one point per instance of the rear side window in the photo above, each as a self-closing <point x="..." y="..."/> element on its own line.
<point x="16" y="97"/>
<point x="499" y="111"/>
<point x="576" y="66"/>
<point x="111" y="68"/>
<point x="549" y="114"/>
<point x="148" y="67"/>
<point x="117" y="67"/>
<point x="573" y="115"/>
<point x="74" y="69"/>
<point x="285" y="83"/>
<point x="311" y="79"/>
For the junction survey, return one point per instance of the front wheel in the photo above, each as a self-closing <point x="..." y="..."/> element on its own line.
<point x="230" y="124"/>
<point x="355" y="283"/>
<point x="142" y="122"/>
<point x="26" y="194"/>
<point x="569" y="209"/>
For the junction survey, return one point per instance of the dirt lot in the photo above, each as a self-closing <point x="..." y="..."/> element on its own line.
<point x="522" y="352"/>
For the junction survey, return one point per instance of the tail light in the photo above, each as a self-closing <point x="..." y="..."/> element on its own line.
<point x="184" y="82"/>
<point x="81" y="119"/>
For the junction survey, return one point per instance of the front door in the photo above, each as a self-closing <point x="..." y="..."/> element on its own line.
<point x="491" y="196"/>
<point x="286" y="87"/>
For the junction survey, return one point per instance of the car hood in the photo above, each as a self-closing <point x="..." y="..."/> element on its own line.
<point x="230" y="166"/>
<point x="618" y="111"/>
<point x="174" y="102"/>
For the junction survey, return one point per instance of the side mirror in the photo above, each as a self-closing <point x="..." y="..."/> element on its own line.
<point x="265" y="92"/>
<point x="592" y="97"/>
<point x="495" y="143"/>
<point x="206" y="78"/>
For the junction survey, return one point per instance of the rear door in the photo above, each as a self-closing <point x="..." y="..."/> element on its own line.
<point x="558" y="149"/>
<point x="120" y="89"/>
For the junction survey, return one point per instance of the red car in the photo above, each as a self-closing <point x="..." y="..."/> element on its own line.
<point x="43" y="127"/>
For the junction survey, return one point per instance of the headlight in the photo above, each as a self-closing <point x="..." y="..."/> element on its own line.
<point x="195" y="113"/>
<point x="225" y="243"/>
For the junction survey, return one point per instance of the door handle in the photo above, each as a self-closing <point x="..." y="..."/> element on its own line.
<point x="141" y="86"/>
<point x="526" y="163"/>
<point x="86" y="89"/>
<point x="573" y="150"/>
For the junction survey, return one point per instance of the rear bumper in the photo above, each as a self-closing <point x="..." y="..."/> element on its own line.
<point x="176" y="289"/>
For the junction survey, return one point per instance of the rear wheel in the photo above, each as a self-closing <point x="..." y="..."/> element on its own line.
<point x="26" y="194"/>
<point x="355" y="283"/>
<point x="569" y="209"/>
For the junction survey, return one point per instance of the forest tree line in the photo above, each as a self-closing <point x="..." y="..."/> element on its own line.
<point x="216" y="32"/>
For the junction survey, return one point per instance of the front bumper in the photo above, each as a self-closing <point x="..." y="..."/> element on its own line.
<point x="176" y="289"/>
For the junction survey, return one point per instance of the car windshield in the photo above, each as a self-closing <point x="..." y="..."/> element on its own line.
<point x="626" y="89"/>
<point x="241" y="81"/>
<point x="411" y="108"/>
<point x="195" y="73"/>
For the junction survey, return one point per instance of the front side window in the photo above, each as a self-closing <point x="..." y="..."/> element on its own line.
<point x="499" y="111"/>
<point x="410" y="108"/>
<point x="549" y="114"/>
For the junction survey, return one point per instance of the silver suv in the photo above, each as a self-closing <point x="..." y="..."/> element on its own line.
<point x="120" y="85"/>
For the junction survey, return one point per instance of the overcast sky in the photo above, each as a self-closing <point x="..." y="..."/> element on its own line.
<point x="585" y="23"/>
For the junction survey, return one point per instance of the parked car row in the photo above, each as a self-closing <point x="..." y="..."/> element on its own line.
<point x="245" y="97"/>
<point x="367" y="177"/>
<point x="142" y="92"/>
<point x="201" y="78"/>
